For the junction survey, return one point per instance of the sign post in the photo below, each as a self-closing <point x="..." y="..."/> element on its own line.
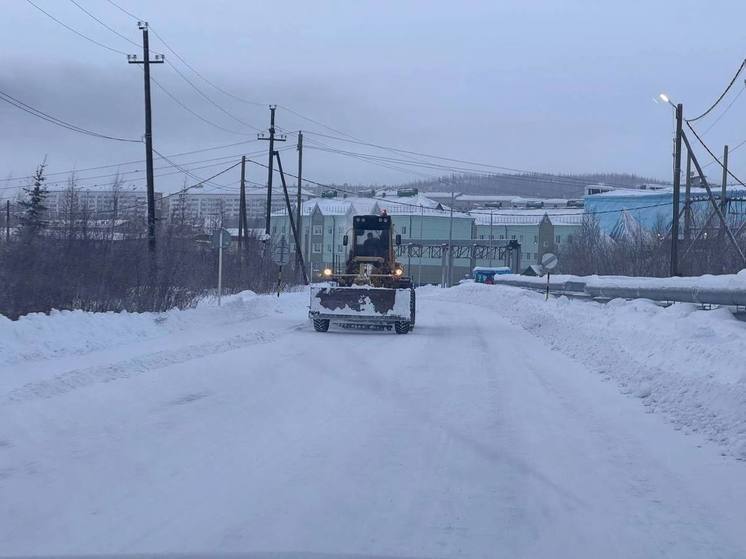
<point x="549" y="262"/>
<point x="220" y="239"/>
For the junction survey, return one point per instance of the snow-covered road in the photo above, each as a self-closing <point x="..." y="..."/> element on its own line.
<point x="247" y="431"/>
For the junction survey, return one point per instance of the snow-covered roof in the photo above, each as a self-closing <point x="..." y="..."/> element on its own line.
<point x="438" y="194"/>
<point x="559" y="216"/>
<point x="394" y="205"/>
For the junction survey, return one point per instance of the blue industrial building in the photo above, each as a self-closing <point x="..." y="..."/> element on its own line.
<point x="650" y="207"/>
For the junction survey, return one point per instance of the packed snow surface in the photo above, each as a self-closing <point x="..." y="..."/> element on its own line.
<point x="502" y="426"/>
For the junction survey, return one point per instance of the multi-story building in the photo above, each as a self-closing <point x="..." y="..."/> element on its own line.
<point x="419" y="221"/>
<point x="99" y="204"/>
<point x="214" y="208"/>
<point x="537" y="231"/>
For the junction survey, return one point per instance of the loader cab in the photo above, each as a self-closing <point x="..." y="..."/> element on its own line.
<point x="371" y="237"/>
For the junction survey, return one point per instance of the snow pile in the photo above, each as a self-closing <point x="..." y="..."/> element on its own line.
<point x="683" y="362"/>
<point x="723" y="281"/>
<point x="40" y="336"/>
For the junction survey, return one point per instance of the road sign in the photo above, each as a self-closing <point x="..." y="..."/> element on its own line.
<point x="221" y="239"/>
<point x="281" y="252"/>
<point x="549" y="261"/>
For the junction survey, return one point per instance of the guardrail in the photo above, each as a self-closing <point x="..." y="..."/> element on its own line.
<point x="598" y="288"/>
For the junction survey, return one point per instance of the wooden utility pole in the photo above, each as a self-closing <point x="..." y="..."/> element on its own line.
<point x="711" y="197"/>
<point x="293" y="228"/>
<point x="146" y="62"/>
<point x="676" y="192"/>
<point x="299" y="205"/>
<point x="242" y="205"/>
<point x="724" y="192"/>
<point x="270" y="163"/>
<point x="688" y="200"/>
<point x="450" y="243"/>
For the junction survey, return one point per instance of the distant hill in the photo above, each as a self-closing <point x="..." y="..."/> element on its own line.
<point x="542" y="186"/>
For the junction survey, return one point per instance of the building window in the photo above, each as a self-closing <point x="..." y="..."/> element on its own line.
<point x="340" y="248"/>
<point x="316" y="248"/>
<point x="521" y="238"/>
<point x="481" y="236"/>
<point x="328" y="248"/>
<point x="512" y="237"/>
<point x="274" y="229"/>
<point x="536" y="239"/>
<point x="557" y="239"/>
<point x="331" y="230"/>
<point x="317" y="230"/>
<point x="404" y="230"/>
<point x="502" y="237"/>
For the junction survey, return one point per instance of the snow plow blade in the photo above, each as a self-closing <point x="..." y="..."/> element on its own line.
<point x="372" y="305"/>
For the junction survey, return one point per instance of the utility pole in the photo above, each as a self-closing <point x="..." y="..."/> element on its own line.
<point x="724" y="192"/>
<point x="688" y="200"/>
<point x="270" y="163"/>
<point x="419" y="267"/>
<point x="7" y="220"/>
<point x="450" y="244"/>
<point x="293" y="227"/>
<point x="492" y="237"/>
<point x="242" y="206"/>
<point x="299" y="206"/>
<point x="676" y="191"/>
<point x="146" y="62"/>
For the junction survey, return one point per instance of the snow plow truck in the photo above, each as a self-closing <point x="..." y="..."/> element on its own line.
<point x="373" y="292"/>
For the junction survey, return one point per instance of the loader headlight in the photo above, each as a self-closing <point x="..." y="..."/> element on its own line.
<point x="327" y="272"/>
<point x="398" y="272"/>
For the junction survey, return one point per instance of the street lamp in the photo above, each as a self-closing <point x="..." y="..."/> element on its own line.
<point x="663" y="97"/>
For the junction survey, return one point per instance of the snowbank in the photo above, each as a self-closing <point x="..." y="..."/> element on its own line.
<point x="727" y="289"/>
<point x="683" y="362"/>
<point x="724" y="281"/>
<point x="40" y="336"/>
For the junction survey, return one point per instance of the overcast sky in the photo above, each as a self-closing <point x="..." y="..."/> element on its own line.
<point x="554" y="86"/>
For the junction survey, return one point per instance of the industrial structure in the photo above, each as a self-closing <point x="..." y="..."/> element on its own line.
<point x="427" y="228"/>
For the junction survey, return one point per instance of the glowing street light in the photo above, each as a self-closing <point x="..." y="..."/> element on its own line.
<point x="663" y="97"/>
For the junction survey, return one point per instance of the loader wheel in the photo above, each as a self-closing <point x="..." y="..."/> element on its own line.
<point x="401" y="327"/>
<point x="412" y="309"/>
<point x="321" y="325"/>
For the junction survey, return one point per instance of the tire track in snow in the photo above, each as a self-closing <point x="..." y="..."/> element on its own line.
<point x="81" y="378"/>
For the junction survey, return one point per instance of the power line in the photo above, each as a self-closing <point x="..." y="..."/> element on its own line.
<point x="123" y="163"/>
<point x="89" y="14"/>
<point x="392" y="167"/>
<point x="418" y="206"/>
<point x="188" y="172"/>
<point x="714" y="157"/>
<point x="78" y="33"/>
<point x="534" y="174"/>
<point x="527" y="176"/>
<point x="209" y="99"/>
<point x="203" y="78"/>
<point x="59" y="122"/>
<point x="117" y="6"/>
<point x="721" y="115"/>
<point x="215" y="162"/>
<point x="723" y="94"/>
<point x="192" y="112"/>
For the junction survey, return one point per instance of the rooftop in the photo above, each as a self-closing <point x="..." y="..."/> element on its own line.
<point x="559" y="216"/>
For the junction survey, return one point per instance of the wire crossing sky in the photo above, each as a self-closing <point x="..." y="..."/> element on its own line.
<point x="541" y="86"/>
